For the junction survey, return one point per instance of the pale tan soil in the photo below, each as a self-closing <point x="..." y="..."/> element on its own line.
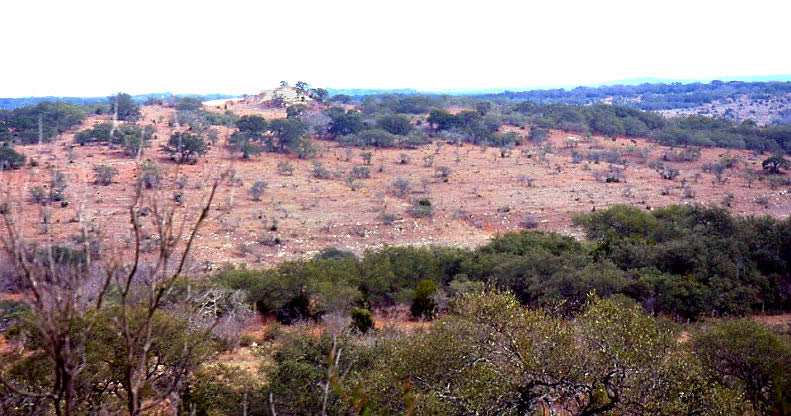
<point x="762" y="111"/>
<point x="781" y="321"/>
<point x="313" y="214"/>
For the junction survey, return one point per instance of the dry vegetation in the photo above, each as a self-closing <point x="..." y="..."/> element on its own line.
<point x="487" y="191"/>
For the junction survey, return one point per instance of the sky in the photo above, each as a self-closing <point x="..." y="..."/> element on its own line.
<point x="95" y="48"/>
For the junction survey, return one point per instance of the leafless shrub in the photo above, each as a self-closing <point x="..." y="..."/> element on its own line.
<point x="401" y="186"/>
<point x="762" y="201"/>
<point x="361" y="172"/>
<point x="524" y="180"/>
<point x="529" y="221"/>
<point x="67" y="293"/>
<point x="727" y="200"/>
<point x="688" y="154"/>
<point x="442" y="173"/>
<point x="348" y="153"/>
<point x="319" y="171"/>
<point x="258" y="189"/>
<point x="285" y="168"/>
<point x="387" y="217"/>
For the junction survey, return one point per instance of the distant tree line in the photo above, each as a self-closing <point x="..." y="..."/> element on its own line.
<point x="100" y="102"/>
<point x="615" y="120"/>
<point x="653" y="96"/>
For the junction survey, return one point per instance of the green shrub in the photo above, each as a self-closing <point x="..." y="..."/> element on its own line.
<point x="424" y="305"/>
<point x="538" y="135"/>
<point x="10" y="158"/>
<point x="362" y="320"/>
<point x="361" y="172"/>
<point x="747" y="355"/>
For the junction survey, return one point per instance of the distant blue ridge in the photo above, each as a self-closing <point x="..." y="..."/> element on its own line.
<point x="11" y="103"/>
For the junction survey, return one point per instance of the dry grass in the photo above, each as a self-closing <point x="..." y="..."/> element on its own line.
<point x="481" y="198"/>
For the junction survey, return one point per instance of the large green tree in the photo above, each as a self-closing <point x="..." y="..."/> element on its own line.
<point x="186" y="147"/>
<point x="749" y="356"/>
<point x="494" y="356"/>
<point x="775" y="163"/>
<point x="125" y="106"/>
<point x="289" y="133"/>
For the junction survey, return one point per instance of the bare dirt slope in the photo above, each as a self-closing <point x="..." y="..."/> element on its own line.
<point x="485" y="194"/>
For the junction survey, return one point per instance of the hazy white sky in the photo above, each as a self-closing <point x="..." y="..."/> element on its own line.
<point x="86" y="48"/>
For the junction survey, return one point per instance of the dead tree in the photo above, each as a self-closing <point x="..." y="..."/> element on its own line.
<point x="66" y="289"/>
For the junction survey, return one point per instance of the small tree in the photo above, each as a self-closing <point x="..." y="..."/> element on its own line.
<point x="774" y="163"/>
<point x="319" y="94"/>
<point x="366" y="156"/>
<point x="483" y="107"/>
<point x="538" y="135"/>
<point x="104" y="174"/>
<point x="295" y="111"/>
<point x="38" y="195"/>
<point x="186" y="147"/>
<point x="395" y="124"/>
<point x="258" y="189"/>
<point x="424" y="305"/>
<point x="362" y="320"/>
<point x="125" y="107"/>
<point x="188" y="103"/>
<point x="57" y="186"/>
<point x="302" y="87"/>
<point x="10" y="158"/>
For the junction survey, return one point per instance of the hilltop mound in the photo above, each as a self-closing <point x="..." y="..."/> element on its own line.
<point x="271" y="99"/>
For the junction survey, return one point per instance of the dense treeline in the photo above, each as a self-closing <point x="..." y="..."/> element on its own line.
<point x="93" y="102"/>
<point x="482" y="121"/>
<point x="653" y="96"/>
<point x="34" y="124"/>
<point x="683" y="261"/>
<point x="42" y="121"/>
<point x="614" y="120"/>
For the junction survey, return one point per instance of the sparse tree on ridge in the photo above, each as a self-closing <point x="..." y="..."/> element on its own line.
<point x="125" y="107"/>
